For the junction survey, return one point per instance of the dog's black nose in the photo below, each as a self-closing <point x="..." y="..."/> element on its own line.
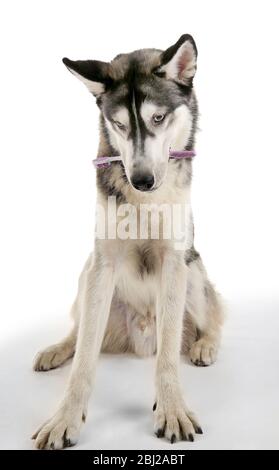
<point x="143" y="181"/>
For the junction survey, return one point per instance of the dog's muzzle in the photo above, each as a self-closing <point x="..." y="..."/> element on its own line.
<point x="143" y="181"/>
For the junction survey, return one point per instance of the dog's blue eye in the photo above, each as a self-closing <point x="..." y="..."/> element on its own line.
<point x="158" y="118"/>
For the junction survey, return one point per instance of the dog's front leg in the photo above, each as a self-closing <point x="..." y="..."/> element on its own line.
<point x="172" y="417"/>
<point x="63" y="428"/>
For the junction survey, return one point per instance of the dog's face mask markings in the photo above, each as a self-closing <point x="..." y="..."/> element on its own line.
<point x="147" y="104"/>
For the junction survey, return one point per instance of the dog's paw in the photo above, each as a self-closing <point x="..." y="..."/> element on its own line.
<point x="174" y="421"/>
<point x="203" y="352"/>
<point x="52" y="357"/>
<point x="61" y="431"/>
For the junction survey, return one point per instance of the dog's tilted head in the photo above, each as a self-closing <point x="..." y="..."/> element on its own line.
<point x="147" y="104"/>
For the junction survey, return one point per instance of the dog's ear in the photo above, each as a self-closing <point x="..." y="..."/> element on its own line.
<point x="93" y="73"/>
<point x="179" y="62"/>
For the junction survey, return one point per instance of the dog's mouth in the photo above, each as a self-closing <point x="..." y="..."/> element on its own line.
<point x="152" y="190"/>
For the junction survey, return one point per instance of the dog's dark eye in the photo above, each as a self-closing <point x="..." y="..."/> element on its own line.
<point x="158" y="118"/>
<point x="120" y="125"/>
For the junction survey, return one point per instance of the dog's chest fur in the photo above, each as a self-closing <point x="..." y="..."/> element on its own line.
<point x="136" y="285"/>
<point x="138" y="262"/>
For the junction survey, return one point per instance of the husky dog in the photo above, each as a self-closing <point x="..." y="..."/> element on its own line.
<point x="140" y="295"/>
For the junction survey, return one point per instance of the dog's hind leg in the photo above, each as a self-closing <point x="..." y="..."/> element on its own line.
<point x="203" y="317"/>
<point x="56" y="354"/>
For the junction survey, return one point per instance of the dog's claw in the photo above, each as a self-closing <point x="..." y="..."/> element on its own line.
<point x="200" y="363"/>
<point x="160" y="433"/>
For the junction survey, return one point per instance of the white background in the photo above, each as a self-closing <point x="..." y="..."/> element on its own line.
<point x="49" y="134"/>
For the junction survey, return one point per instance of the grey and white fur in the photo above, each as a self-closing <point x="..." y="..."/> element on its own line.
<point x="141" y="296"/>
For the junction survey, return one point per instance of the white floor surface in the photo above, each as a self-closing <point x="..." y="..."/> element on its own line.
<point x="236" y="400"/>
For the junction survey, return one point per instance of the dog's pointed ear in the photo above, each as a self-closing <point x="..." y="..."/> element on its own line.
<point x="179" y="62"/>
<point x="93" y="73"/>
